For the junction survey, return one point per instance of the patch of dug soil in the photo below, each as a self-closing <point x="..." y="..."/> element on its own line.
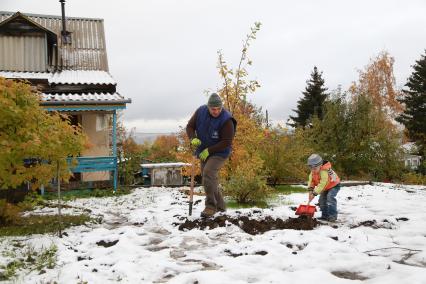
<point x="251" y="226"/>
<point x="373" y="224"/>
<point x="349" y="275"/>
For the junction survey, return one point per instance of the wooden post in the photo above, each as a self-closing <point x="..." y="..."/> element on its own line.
<point x="59" y="198"/>
<point x="114" y="147"/>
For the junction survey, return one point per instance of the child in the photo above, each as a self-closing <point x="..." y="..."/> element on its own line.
<point x="325" y="182"/>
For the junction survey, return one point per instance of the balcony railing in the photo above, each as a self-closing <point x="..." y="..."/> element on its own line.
<point x="94" y="164"/>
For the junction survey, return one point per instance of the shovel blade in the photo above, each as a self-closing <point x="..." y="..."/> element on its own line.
<point x="307" y="210"/>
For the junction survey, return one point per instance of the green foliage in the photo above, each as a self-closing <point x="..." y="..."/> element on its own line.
<point x="284" y="155"/>
<point x="289" y="189"/>
<point x="414" y="178"/>
<point x="311" y="105"/>
<point x="9" y="213"/>
<point x="130" y="154"/>
<point x="414" y="115"/>
<point x="42" y="224"/>
<point x="86" y="193"/>
<point x="164" y="148"/>
<point x="32" y="200"/>
<point x="357" y="138"/>
<point x="27" y="257"/>
<point x="29" y="132"/>
<point x="246" y="184"/>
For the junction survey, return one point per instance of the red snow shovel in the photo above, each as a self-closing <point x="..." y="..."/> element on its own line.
<point x="306" y="210"/>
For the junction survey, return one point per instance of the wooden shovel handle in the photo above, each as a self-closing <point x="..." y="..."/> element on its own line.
<point x="191" y="190"/>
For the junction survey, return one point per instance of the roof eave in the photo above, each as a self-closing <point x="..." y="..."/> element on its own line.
<point x="66" y="103"/>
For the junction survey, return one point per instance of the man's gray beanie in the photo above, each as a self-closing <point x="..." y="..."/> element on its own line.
<point x="214" y="101"/>
<point x="314" y="160"/>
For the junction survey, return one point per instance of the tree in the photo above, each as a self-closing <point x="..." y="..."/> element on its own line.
<point x="33" y="142"/>
<point x="414" y="100"/>
<point x="358" y="138"/>
<point x="311" y="104"/>
<point x="129" y="154"/>
<point x="245" y="174"/>
<point x="284" y="155"/>
<point x="377" y="81"/>
<point x="164" y="148"/>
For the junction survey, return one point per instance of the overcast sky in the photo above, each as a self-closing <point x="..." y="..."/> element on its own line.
<point x="163" y="53"/>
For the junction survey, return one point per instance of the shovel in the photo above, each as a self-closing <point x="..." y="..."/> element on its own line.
<point x="191" y="189"/>
<point x="306" y="210"/>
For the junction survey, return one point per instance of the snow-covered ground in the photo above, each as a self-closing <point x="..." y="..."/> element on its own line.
<point x="151" y="249"/>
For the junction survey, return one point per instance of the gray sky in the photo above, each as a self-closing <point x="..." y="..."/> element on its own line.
<point x="163" y="53"/>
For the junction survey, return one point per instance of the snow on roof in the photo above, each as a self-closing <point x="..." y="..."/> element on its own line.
<point x="94" y="77"/>
<point x="82" y="77"/>
<point x="85" y="97"/>
<point x="25" y="75"/>
<point x="409" y="147"/>
<point x="164" y="165"/>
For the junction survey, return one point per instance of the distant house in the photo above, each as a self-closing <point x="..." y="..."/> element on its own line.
<point x="411" y="160"/>
<point x="163" y="174"/>
<point x="66" y="59"/>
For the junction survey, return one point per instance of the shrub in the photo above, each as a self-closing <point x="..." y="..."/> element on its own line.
<point x="246" y="186"/>
<point x="414" y="178"/>
<point x="9" y="213"/>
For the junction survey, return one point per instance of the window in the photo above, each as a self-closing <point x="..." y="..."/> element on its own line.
<point x="101" y="122"/>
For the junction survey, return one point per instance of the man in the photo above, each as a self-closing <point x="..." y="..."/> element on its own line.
<point x="211" y="129"/>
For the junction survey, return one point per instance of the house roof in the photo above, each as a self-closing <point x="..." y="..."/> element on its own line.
<point x="409" y="147"/>
<point x="20" y="15"/>
<point x="88" y="48"/>
<point x="88" y="77"/>
<point x="82" y="99"/>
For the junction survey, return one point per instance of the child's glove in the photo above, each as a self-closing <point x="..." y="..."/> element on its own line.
<point x="311" y="191"/>
<point x="311" y="196"/>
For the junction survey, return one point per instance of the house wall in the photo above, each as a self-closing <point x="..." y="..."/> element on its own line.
<point x="23" y="53"/>
<point x="166" y="176"/>
<point x="412" y="161"/>
<point x="96" y="127"/>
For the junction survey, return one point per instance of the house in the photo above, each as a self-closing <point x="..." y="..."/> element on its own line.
<point x="411" y="160"/>
<point x="163" y="174"/>
<point x="66" y="59"/>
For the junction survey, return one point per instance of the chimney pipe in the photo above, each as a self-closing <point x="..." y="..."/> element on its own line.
<point x="66" y="36"/>
<point x="64" y="28"/>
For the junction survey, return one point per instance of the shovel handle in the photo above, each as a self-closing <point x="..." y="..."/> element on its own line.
<point x="191" y="188"/>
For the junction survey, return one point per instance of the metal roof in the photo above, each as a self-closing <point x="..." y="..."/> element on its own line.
<point x="88" y="48"/>
<point x="65" y="77"/>
<point x="82" y="99"/>
<point x="82" y="77"/>
<point x="25" y="75"/>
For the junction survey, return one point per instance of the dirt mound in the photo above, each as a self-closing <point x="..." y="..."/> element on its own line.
<point x="385" y="224"/>
<point x="251" y="226"/>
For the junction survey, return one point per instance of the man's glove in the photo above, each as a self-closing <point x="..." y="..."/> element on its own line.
<point x="195" y="142"/>
<point x="204" y="154"/>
